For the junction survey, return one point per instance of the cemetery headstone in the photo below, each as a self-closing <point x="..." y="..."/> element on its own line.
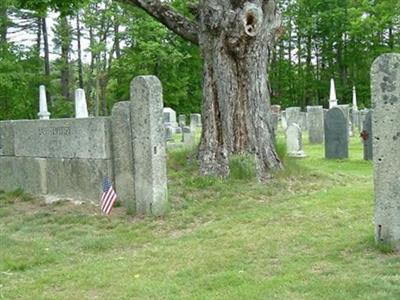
<point x="385" y="83"/>
<point x="362" y="116"/>
<point x="149" y="146"/>
<point x="366" y="136"/>
<point x="169" y="131"/>
<point x="292" y="115"/>
<point x="303" y="121"/>
<point x="336" y="129"/>
<point x="188" y="136"/>
<point x="315" y="116"/>
<point x="195" y="121"/>
<point x="294" y="143"/>
<point x="123" y="154"/>
<point x="182" y="120"/>
<point x="169" y="117"/>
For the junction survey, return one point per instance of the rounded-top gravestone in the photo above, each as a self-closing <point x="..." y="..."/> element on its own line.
<point x="336" y="134"/>
<point x="294" y="143"/>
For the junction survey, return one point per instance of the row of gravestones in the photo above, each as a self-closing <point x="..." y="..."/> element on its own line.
<point x="172" y="127"/>
<point x="381" y="135"/>
<point x="337" y="134"/>
<point x="332" y="128"/>
<point x="310" y="120"/>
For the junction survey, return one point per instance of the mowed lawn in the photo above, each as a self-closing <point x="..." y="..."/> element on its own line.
<point x="306" y="234"/>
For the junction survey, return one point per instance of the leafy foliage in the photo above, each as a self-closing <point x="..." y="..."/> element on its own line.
<point x="322" y="40"/>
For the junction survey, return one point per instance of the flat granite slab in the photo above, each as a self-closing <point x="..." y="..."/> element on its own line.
<point x="62" y="138"/>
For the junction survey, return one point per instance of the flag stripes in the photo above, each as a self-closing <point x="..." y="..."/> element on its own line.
<point x="108" y="197"/>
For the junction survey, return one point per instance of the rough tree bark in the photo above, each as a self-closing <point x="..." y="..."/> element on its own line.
<point x="234" y="37"/>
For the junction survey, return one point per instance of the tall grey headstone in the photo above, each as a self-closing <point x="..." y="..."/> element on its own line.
<point x="292" y="115"/>
<point x="150" y="168"/>
<point x="294" y="142"/>
<point x="336" y="134"/>
<point x="385" y="84"/>
<point x="315" y="120"/>
<point x="123" y="154"/>
<point x="366" y="136"/>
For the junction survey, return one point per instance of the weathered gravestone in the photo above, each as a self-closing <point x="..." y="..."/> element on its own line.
<point x="69" y="158"/>
<point x="149" y="145"/>
<point x="362" y="115"/>
<point x="315" y="119"/>
<point x="123" y="154"/>
<point x="169" y="131"/>
<point x="303" y="121"/>
<point x="293" y="115"/>
<point x="188" y="136"/>
<point x="61" y="158"/>
<point x="169" y="117"/>
<point x="182" y="120"/>
<point x="336" y="134"/>
<point x="347" y="114"/>
<point x="294" y="142"/>
<point x="385" y="83"/>
<point x="195" y="121"/>
<point x="366" y="136"/>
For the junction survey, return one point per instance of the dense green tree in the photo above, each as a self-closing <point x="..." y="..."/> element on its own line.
<point x="319" y="40"/>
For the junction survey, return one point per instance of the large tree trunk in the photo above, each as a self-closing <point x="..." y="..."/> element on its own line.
<point x="234" y="42"/>
<point x="234" y="37"/>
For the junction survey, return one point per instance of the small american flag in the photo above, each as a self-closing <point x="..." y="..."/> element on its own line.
<point x="108" y="197"/>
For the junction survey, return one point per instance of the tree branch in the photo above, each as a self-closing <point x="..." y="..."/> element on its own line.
<point x="170" y="18"/>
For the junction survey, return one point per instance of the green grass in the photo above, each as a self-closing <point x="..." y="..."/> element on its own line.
<point x="306" y="234"/>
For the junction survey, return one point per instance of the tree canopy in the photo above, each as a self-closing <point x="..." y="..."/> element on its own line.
<point x="322" y="40"/>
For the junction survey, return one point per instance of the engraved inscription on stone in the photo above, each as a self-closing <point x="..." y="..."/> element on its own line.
<point x="61" y="131"/>
<point x="63" y="138"/>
